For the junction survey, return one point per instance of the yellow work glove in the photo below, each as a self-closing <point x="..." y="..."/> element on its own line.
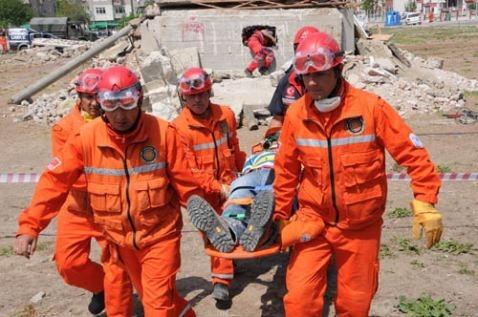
<point x="427" y="218"/>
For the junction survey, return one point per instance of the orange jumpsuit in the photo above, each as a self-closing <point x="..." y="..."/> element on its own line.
<point x="75" y="228"/>
<point x="343" y="181"/>
<point x="132" y="181"/>
<point x="214" y="158"/>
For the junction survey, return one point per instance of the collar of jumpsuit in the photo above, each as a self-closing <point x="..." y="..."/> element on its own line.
<point x="111" y="138"/>
<point x="340" y="113"/>
<point x="216" y="115"/>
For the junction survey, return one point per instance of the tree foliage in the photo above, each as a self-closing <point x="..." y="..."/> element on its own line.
<point x="14" y="13"/>
<point x="72" y="9"/>
<point x="368" y="5"/>
<point x="411" y="6"/>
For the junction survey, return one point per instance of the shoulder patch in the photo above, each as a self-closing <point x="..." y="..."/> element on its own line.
<point x="416" y="140"/>
<point x="355" y="125"/>
<point x="54" y="163"/>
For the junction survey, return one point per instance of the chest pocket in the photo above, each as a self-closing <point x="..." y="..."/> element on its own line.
<point x="151" y="194"/>
<point x="104" y="198"/>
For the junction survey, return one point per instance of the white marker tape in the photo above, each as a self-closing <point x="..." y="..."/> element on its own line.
<point x="19" y="177"/>
<point x="449" y="177"/>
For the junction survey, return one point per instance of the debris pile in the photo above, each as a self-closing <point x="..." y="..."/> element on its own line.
<point x="48" y="108"/>
<point x="409" y="83"/>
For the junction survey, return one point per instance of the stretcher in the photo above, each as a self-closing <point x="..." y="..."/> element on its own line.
<point x="238" y="253"/>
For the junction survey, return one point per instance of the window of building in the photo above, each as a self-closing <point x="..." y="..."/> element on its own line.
<point x="119" y="9"/>
<point x="100" y="10"/>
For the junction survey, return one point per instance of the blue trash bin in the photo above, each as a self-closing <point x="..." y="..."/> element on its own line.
<point x="389" y="18"/>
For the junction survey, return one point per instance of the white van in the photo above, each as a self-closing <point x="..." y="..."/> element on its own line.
<point x="412" y="18"/>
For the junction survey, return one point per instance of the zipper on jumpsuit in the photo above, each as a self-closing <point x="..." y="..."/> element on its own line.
<point x="216" y="155"/>
<point x="128" y="201"/>
<point x="331" y="170"/>
<point x="332" y="178"/>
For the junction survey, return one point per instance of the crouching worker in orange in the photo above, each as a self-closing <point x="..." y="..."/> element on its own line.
<point x="75" y="226"/>
<point x="208" y="134"/>
<point x="339" y="134"/>
<point x="259" y="44"/>
<point x="135" y="178"/>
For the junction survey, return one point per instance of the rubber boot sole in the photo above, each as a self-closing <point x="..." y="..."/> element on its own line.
<point x="261" y="212"/>
<point x="205" y="218"/>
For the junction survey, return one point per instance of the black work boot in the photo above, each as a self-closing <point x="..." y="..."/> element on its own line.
<point x="220" y="292"/>
<point x="97" y="303"/>
<point x="204" y="218"/>
<point x="261" y="212"/>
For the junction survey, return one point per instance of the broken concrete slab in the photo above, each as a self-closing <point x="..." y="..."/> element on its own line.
<point x="377" y="49"/>
<point x="253" y="92"/>
<point x="165" y="102"/>
<point x="182" y="59"/>
<point x="148" y="42"/>
<point x="158" y="66"/>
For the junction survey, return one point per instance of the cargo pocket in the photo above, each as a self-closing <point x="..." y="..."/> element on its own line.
<point x="365" y="183"/>
<point x="151" y="195"/>
<point x="206" y="163"/>
<point x="105" y="201"/>
<point x="312" y="180"/>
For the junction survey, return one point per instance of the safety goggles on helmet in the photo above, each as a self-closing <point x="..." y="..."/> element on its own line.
<point x="87" y="83"/>
<point x="196" y="84"/>
<point x="317" y="61"/>
<point x="126" y="99"/>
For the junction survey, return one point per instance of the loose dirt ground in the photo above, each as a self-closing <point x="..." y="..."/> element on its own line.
<point x="258" y="288"/>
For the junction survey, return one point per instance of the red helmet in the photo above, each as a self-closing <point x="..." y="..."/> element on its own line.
<point x="194" y="81"/>
<point x="119" y="87"/>
<point x="117" y="78"/>
<point x="317" y="53"/>
<point x="303" y="33"/>
<point x="87" y="81"/>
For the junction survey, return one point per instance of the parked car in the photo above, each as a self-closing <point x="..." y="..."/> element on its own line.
<point x="412" y="18"/>
<point x="21" y="38"/>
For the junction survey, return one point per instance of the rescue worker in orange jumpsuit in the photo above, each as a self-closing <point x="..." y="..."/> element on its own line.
<point x="208" y="134"/>
<point x="259" y="44"/>
<point x="290" y="86"/>
<point x="75" y="227"/>
<point x="339" y="135"/>
<point x="135" y="178"/>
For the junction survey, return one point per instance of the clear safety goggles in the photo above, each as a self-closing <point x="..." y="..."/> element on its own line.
<point x="87" y="83"/>
<point x="320" y="60"/>
<point x="188" y="85"/>
<point x="126" y="99"/>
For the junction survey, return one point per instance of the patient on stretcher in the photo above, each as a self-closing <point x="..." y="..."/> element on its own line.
<point x="247" y="212"/>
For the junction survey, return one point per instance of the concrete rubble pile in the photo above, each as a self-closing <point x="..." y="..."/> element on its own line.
<point x="48" y="108"/>
<point x="409" y="83"/>
<point x="49" y="53"/>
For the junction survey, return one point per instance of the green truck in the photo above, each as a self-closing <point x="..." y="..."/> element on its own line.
<point x="63" y="27"/>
